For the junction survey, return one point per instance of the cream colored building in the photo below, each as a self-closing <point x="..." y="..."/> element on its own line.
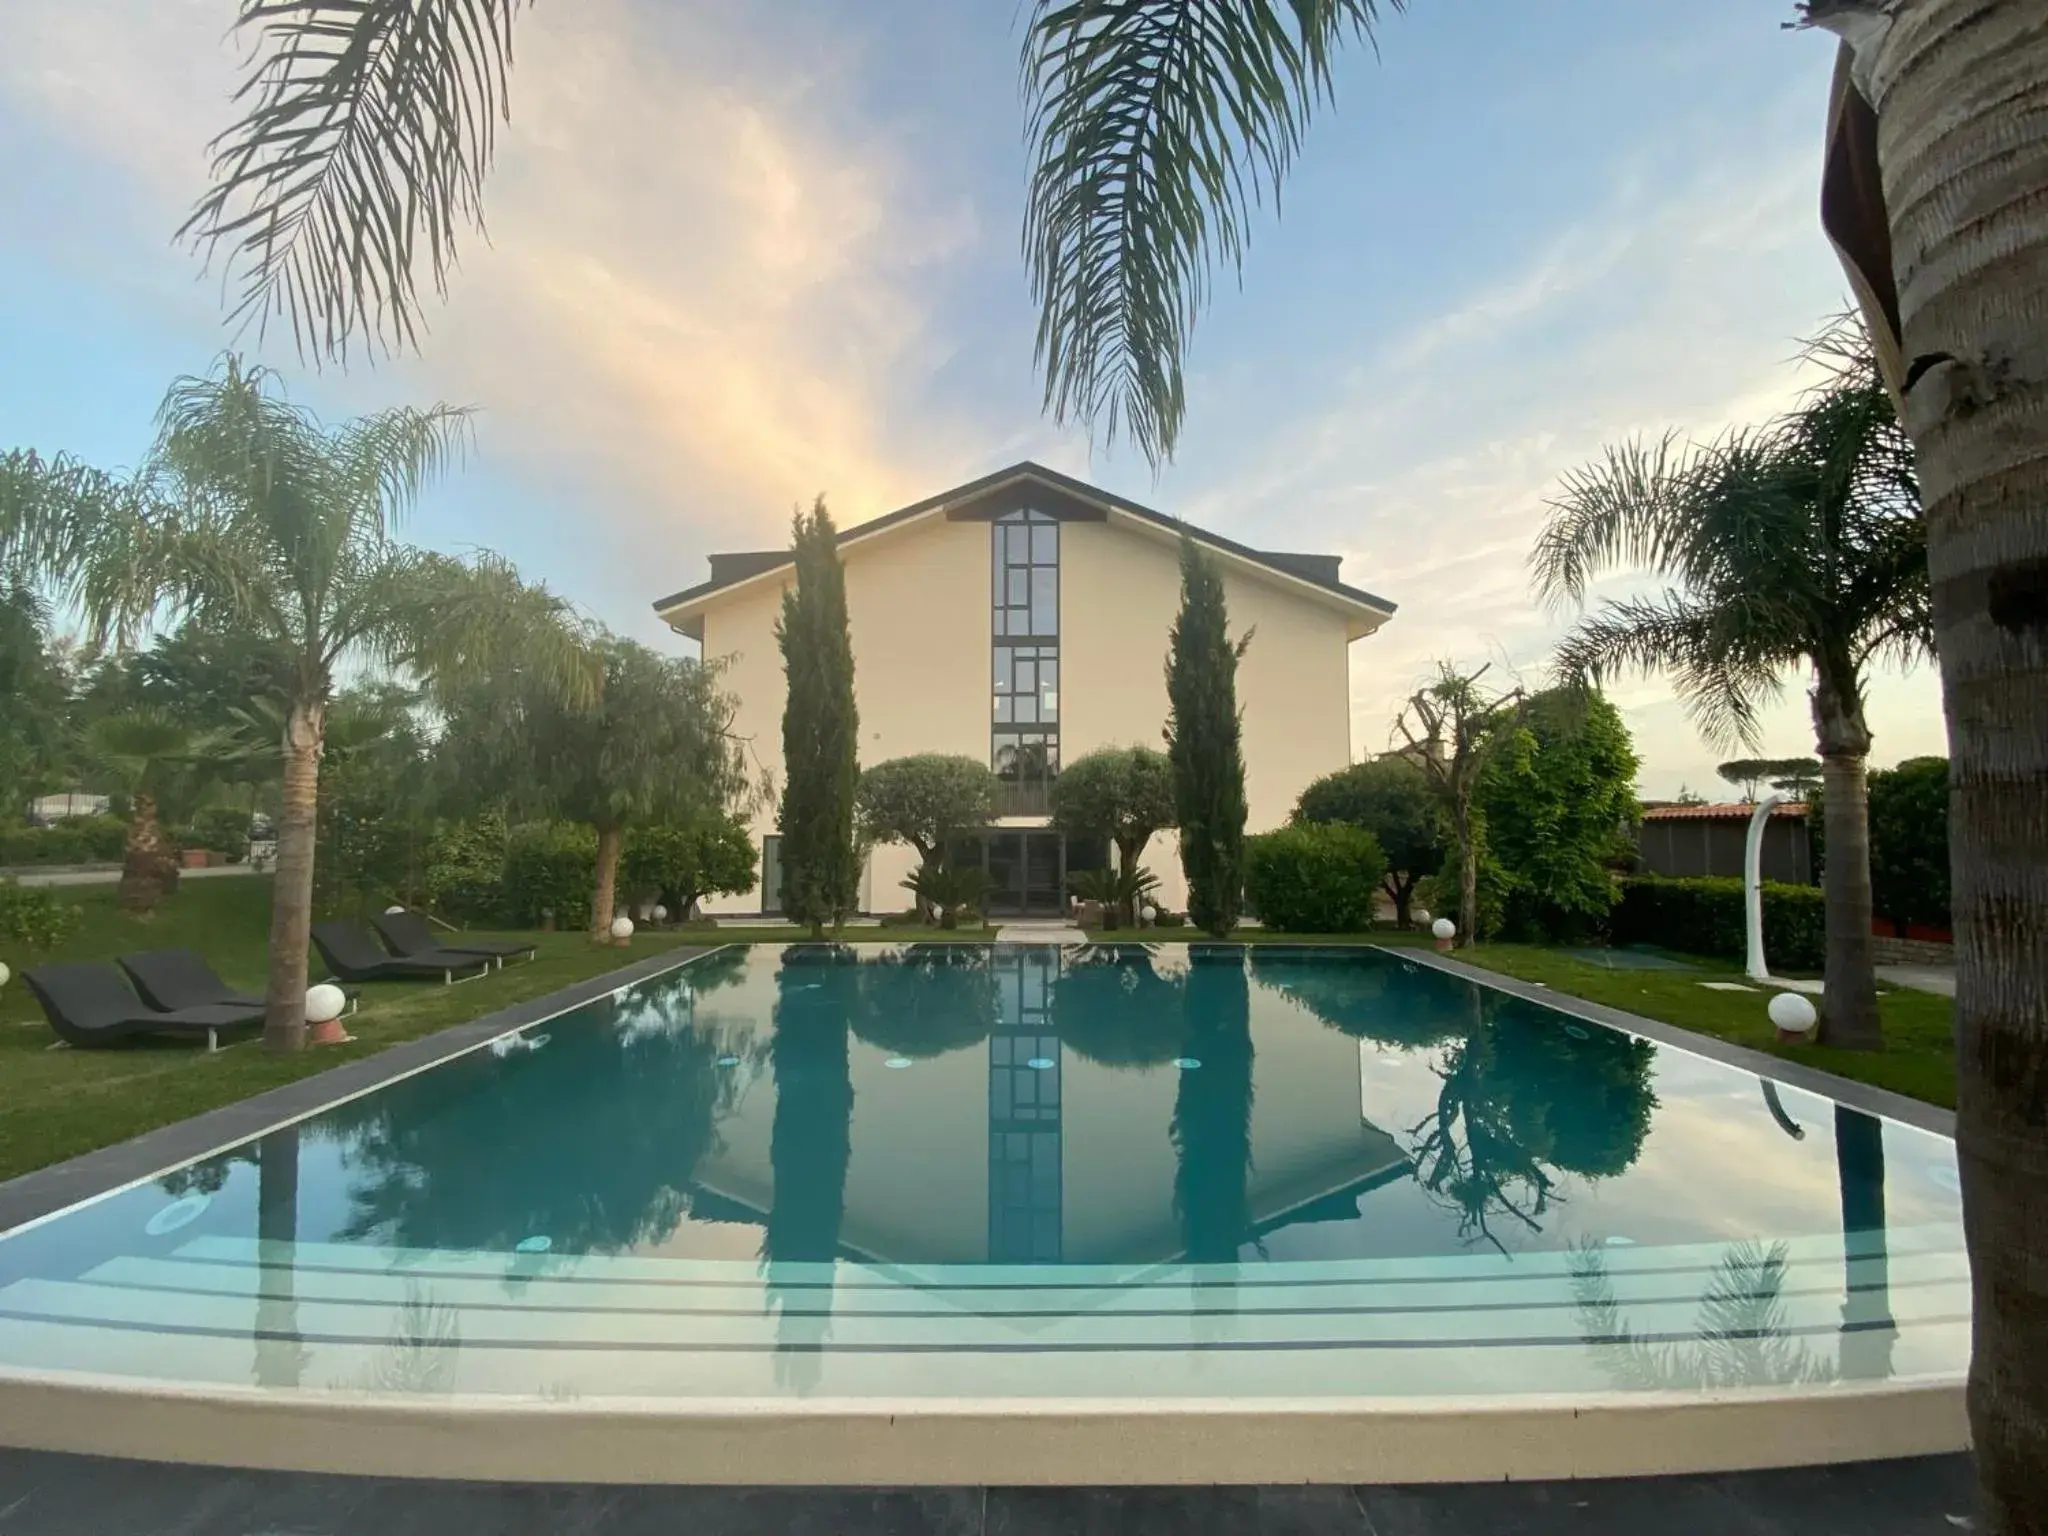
<point x="1022" y="619"/>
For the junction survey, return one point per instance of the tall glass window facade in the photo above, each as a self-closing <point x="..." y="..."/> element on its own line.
<point x="1024" y="742"/>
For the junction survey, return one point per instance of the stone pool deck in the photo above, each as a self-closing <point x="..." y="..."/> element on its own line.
<point x="51" y="1495"/>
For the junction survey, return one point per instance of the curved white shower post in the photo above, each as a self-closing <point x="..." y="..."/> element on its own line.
<point x="1752" y="883"/>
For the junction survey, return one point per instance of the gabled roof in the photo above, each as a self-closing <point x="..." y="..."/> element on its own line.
<point x="1069" y="498"/>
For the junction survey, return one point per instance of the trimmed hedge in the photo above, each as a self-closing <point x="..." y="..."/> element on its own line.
<point x="81" y="840"/>
<point x="1319" y="877"/>
<point x="550" y="867"/>
<point x="1705" y="917"/>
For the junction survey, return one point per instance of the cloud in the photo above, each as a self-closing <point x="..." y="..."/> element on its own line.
<point x="1432" y="450"/>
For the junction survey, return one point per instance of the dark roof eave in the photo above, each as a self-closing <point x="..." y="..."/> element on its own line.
<point x="1075" y="487"/>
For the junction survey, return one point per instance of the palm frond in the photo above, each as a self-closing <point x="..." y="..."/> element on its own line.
<point x="1719" y="680"/>
<point x="367" y="131"/>
<point x="1158" y="126"/>
<point x="51" y="511"/>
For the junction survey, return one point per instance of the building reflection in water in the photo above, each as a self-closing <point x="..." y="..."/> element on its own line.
<point x="1025" y="1184"/>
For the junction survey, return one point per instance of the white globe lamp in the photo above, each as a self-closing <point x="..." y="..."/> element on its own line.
<point x="392" y="909"/>
<point x="5" y="974"/>
<point x="1795" y="1016"/>
<point x="1420" y="916"/>
<point x="324" y="1005"/>
<point x="622" y="928"/>
<point x="1443" y="930"/>
<point x="660" y="913"/>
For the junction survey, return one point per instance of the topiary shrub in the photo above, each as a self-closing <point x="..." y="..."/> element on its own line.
<point x="1314" y="878"/>
<point x="1705" y="917"/>
<point x="550" y="869"/>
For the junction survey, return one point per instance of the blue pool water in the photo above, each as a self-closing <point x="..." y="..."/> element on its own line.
<point x="1014" y="1170"/>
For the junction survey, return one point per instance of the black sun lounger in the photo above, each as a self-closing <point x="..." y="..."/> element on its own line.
<point x="408" y="934"/>
<point x="353" y="954"/>
<point x="91" y="1004"/>
<point x="181" y="978"/>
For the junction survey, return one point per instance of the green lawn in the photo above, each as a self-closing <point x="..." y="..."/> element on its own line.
<point x="1918" y="1059"/>
<point x="56" y="1104"/>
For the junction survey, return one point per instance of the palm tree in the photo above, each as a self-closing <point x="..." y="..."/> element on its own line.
<point x="161" y="765"/>
<point x="1161" y="125"/>
<point x="251" y="515"/>
<point x="1795" y="544"/>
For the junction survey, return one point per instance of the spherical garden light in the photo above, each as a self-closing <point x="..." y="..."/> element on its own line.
<point x="622" y="928"/>
<point x="1443" y="930"/>
<point x="393" y="909"/>
<point x="660" y="913"/>
<point x="324" y="1005"/>
<point x="1794" y="1015"/>
<point x="4" y="973"/>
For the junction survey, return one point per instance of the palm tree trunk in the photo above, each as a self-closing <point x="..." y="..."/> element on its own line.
<point x="1848" y="1014"/>
<point x="604" y="897"/>
<point x="291" y="900"/>
<point x="1961" y="91"/>
<point x="142" y="859"/>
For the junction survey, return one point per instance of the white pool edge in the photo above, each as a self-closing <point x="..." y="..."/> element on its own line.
<point x="939" y="1442"/>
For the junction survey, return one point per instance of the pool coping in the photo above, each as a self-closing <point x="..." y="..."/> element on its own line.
<point x="36" y="1197"/>
<point x="1793" y="1074"/>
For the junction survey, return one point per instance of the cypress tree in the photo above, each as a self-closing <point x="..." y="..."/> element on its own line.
<point x="820" y="731"/>
<point x="1203" y="728"/>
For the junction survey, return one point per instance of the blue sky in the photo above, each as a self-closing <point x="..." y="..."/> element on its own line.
<point x="741" y="254"/>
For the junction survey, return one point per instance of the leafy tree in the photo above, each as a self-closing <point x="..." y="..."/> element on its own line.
<point x="1558" y="799"/>
<point x="1909" y="852"/>
<point x="1451" y="729"/>
<point x="1389" y="797"/>
<point x="924" y="800"/>
<point x="1796" y="545"/>
<point x="250" y="515"/>
<point x="820" y="732"/>
<point x="1203" y="745"/>
<point x="682" y="862"/>
<point x="161" y="766"/>
<point x="1120" y="794"/>
<point x="653" y="746"/>
<point x="1781" y="773"/>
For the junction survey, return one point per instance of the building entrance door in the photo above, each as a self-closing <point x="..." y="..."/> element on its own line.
<point x="1025" y="873"/>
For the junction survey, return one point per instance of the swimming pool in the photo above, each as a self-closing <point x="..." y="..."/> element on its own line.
<point x="966" y="1213"/>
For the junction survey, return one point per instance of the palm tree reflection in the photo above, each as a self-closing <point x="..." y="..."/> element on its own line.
<point x="280" y="1356"/>
<point x="1740" y="1336"/>
<point x="810" y="1143"/>
<point x="1868" y="1331"/>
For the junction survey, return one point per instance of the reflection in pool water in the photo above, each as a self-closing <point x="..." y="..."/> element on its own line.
<point x="1303" y="1170"/>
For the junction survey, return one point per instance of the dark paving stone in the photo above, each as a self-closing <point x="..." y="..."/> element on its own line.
<point x="1929" y="1497"/>
<point x="1174" y="1512"/>
<point x="44" y="1495"/>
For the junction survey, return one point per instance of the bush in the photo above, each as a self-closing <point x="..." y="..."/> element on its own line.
<point x="550" y="866"/>
<point x="1314" y="878"/>
<point x="35" y="918"/>
<point x="1705" y="917"/>
<point x="680" y="863"/>
<point x="464" y="880"/>
<point x="81" y="840"/>
<point x="219" y="829"/>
